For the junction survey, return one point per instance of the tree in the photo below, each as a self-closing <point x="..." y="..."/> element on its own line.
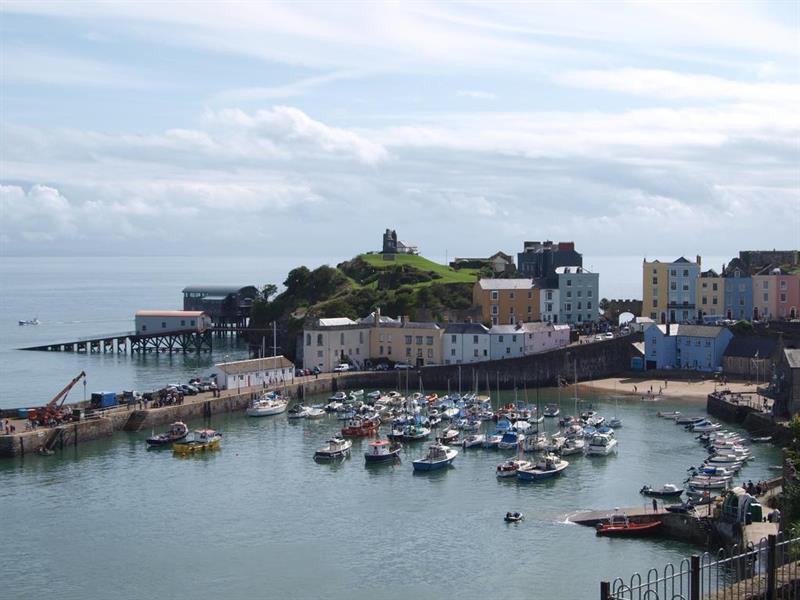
<point x="604" y="304"/>
<point x="268" y="290"/>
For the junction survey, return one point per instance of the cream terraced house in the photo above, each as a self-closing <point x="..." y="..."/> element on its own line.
<point x="329" y="342"/>
<point x="405" y="341"/>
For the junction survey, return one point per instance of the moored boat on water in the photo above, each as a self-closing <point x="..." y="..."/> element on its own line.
<point x="201" y="440"/>
<point x="266" y="405"/>
<point x="551" y="410"/>
<point x="514" y="517"/>
<point x="439" y="456"/>
<point x="361" y="427"/>
<point x="510" y="467"/>
<point x="176" y="432"/>
<point x="475" y="440"/>
<point x="337" y="447"/>
<point x="549" y="466"/>
<point x="381" y="451"/>
<point x="602" y="444"/>
<point x="667" y="490"/>
<point x="298" y="411"/>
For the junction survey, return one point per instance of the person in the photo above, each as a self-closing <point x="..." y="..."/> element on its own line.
<point x="634" y="390"/>
<point x="665" y="383"/>
<point x="655" y="505"/>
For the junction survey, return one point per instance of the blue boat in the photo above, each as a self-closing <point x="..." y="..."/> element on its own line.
<point x="439" y="456"/>
<point x="510" y="440"/>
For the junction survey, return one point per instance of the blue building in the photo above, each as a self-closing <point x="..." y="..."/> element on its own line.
<point x="579" y="295"/>
<point x="682" y="290"/>
<point x="738" y="291"/>
<point x="696" y="347"/>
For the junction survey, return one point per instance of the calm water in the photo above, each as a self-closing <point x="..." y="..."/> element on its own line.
<point x="261" y="519"/>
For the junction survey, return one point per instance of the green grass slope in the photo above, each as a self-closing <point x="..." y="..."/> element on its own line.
<point x="446" y="274"/>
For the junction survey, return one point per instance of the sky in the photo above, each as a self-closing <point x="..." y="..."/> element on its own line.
<point x="653" y="129"/>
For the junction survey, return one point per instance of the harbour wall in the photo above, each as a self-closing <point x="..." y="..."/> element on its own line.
<point x="749" y="417"/>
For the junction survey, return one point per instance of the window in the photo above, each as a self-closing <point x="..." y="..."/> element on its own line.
<point x="783" y="297"/>
<point x="419" y="340"/>
<point x="389" y="338"/>
<point x="475" y="353"/>
<point x="508" y="350"/>
<point x="548" y="307"/>
<point x="191" y="322"/>
<point x="381" y="338"/>
<point x="686" y="272"/>
<point x="360" y="337"/>
<point x="452" y="352"/>
<point x="511" y="295"/>
<point x="429" y="340"/>
<point x="714" y="300"/>
<point x="494" y="320"/>
<point x="341" y="339"/>
<point x="655" y="280"/>
<point x="714" y="286"/>
<point x="766" y="297"/>
<point x="485" y="353"/>
<point x="500" y="339"/>
<point x="568" y="306"/>
<point x="513" y="338"/>
<point x="408" y="351"/>
<point x="673" y="273"/>
<point x="163" y="324"/>
<point x="419" y="352"/>
<point x="655" y="303"/>
<point x="380" y="350"/>
<point x="783" y="285"/>
<point x="589" y="305"/>
<point x="579" y="317"/>
<point x="742" y="287"/>
<point x="549" y="295"/>
<point x="495" y="294"/>
<point x="579" y="305"/>
<point x="673" y="286"/>
<point x="183" y="323"/>
<point x="319" y="339"/>
<point x="511" y="310"/>
<point x="474" y="339"/>
<point x="530" y="295"/>
<point x="495" y="309"/>
<point x="408" y="339"/>
<point x="389" y="350"/>
<point x="453" y="339"/>
<point x="430" y="352"/>
<point x="530" y="309"/>
<point x="308" y="339"/>
<point x="319" y="353"/>
<point x="580" y="293"/>
<point x="569" y="294"/>
<point x="569" y="282"/>
<point x="765" y="285"/>
<point x="144" y="327"/>
<point x="358" y="351"/>
<point x="685" y="287"/>
<point x="708" y="343"/>
<point x="704" y="300"/>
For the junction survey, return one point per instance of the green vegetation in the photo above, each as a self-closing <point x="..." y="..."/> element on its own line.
<point x="357" y="287"/>
<point x="790" y="499"/>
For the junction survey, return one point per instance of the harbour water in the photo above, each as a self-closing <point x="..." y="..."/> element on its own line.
<point x="260" y="518"/>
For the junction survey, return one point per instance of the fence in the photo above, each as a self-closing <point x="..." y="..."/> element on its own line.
<point x="768" y="570"/>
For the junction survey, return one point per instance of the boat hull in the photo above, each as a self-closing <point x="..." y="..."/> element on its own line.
<point x="382" y="458"/>
<point x="195" y="447"/>
<point x="631" y="530"/>
<point x="424" y="465"/>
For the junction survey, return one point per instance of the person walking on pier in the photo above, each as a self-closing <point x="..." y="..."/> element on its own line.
<point x="655" y="505"/>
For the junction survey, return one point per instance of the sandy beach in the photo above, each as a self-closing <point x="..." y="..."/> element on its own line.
<point x="680" y="389"/>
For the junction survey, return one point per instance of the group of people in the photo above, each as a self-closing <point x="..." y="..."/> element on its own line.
<point x="756" y="489"/>
<point x="8" y="427"/>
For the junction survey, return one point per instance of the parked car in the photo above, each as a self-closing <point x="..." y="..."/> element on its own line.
<point x="598" y="338"/>
<point x="608" y="335"/>
<point x="381" y="367"/>
<point x="341" y="368"/>
<point x="188" y="389"/>
<point x="402" y="366"/>
<point x="316" y="371"/>
<point x="299" y="372"/>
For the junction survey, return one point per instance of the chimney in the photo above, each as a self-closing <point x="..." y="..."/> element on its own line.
<point x="668" y="323"/>
<point x="404" y="319"/>
<point x="698" y="260"/>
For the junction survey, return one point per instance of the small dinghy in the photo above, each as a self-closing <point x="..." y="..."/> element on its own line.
<point x="761" y="440"/>
<point x="476" y="440"/>
<point x="667" y="490"/>
<point x="177" y="431"/>
<point x="514" y="517"/>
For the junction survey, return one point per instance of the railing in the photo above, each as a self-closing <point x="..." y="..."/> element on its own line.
<point x="769" y="569"/>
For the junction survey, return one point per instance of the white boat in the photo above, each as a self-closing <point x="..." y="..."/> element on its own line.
<point x="337" y="447"/>
<point x="708" y="482"/>
<point x="704" y="426"/>
<point x="356" y="394"/>
<point x="298" y="411"/>
<point x="474" y="440"/>
<point x="338" y="397"/>
<point x="266" y="405"/>
<point x="549" y="466"/>
<point x="33" y="321"/>
<point x="601" y="444"/>
<point x="551" y="410"/>
<point x="510" y="467"/>
<point x="615" y="422"/>
<point x="438" y="457"/>
<point x="315" y="413"/>
<point x="555" y="443"/>
<point x="669" y="415"/>
<point x="374" y="395"/>
<point x="685" y="420"/>
<point x="492" y="440"/>
<point x="573" y="446"/>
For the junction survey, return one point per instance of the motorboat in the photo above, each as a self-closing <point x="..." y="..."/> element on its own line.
<point x="573" y="446"/>
<point x="510" y="440"/>
<point x="338" y="397"/>
<point x="601" y="444"/>
<point x="492" y="440"/>
<point x="686" y="420"/>
<point x="361" y="427"/>
<point x="315" y="412"/>
<point x="596" y="421"/>
<point x="33" y="321"/>
<point x="356" y="394"/>
<point x="510" y="467"/>
<point x="381" y="451"/>
<point x="667" y="490"/>
<point x="448" y="435"/>
<point x="555" y="443"/>
<point x="201" y="440"/>
<point x="337" y="447"/>
<point x="704" y="426"/>
<point x="669" y="414"/>
<point x="266" y="405"/>
<point x="708" y="482"/>
<point x="474" y="440"/>
<point x="619" y="524"/>
<point x="761" y="439"/>
<point x="374" y="395"/>
<point x="413" y="433"/>
<point x="521" y="426"/>
<point x="549" y="466"/>
<point x="551" y="410"/>
<point x="535" y="443"/>
<point x="176" y="432"/>
<point x="439" y="456"/>
<point x="573" y="431"/>
<point x="514" y="517"/>
<point x="615" y="422"/>
<point x="298" y="411"/>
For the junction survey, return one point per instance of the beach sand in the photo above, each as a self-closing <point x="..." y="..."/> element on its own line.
<point x="672" y="389"/>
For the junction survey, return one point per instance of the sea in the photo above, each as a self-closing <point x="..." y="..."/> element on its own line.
<point x="259" y="518"/>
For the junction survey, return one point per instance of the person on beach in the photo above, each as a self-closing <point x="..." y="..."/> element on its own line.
<point x="635" y="390"/>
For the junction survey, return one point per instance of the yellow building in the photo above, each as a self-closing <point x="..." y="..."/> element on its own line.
<point x="669" y="290"/>
<point x="655" y="283"/>
<point x="404" y="341"/>
<point x="710" y="294"/>
<point x="507" y="301"/>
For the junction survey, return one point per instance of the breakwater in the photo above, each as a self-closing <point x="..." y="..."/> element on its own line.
<point x="746" y="410"/>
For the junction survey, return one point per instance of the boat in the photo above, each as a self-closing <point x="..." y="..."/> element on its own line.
<point x="685" y="420"/>
<point x="474" y="440"/>
<point x="176" y="432"/>
<point x="33" y="321"/>
<point x="667" y="490"/>
<point x="510" y="467"/>
<point x="338" y="397"/>
<point x="514" y="517"/>
<point x="761" y="440"/>
<point x="615" y="422"/>
<point x="704" y="426"/>
<point x="413" y="433"/>
<point x="551" y="410"/>
<point x="601" y="444"/>
<point x="448" y="435"/>
<point x="381" y="451"/>
<point x="315" y="412"/>
<point x="337" y="447"/>
<point x="549" y="466"/>
<point x="619" y="525"/>
<point x="266" y="405"/>
<point x="573" y="446"/>
<point x="708" y="482"/>
<point x="298" y="411"/>
<point x="356" y="394"/>
<point x="439" y="456"/>
<point x="669" y="414"/>
<point x="361" y="427"/>
<point x="374" y="395"/>
<point x="510" y="439"/>
<point x="202" y="440"/>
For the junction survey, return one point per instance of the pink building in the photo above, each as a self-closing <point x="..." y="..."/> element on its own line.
<point x="776" y="295"/>
<point x="788" y="292"/>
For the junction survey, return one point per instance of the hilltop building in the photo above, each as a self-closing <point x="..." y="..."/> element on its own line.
<point x="541" y="259"/>
<point x="500" y="262"/>
<point x="391" y="245"/>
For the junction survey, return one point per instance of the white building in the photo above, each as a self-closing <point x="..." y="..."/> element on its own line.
<point x="542" y="337"/>
<point x="549" y="305"/>
<point x="465" y="343"/>
<point x="578" y="294"/>
<point x="274" y="370"/>
<point x="329" y="342"/>
<point x="506" y="341"/>
<point x="171" y="321"/>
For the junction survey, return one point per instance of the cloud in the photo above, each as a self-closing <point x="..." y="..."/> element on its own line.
<point x="476" y="94"/>
<point x="296" y="88"/>
<point x="40" y="214"/>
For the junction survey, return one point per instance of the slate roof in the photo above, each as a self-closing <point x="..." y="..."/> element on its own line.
<point x="703" y="331"/>
<point x="465" y="328"/>
<point x="792" y="357"/>
<point x="506" y="284"/>
<point x="255" y="364"/>
<point x="751" y="346"/>
<point x="217" y="290"/>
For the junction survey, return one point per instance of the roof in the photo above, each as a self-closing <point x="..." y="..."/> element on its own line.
<point x="466" y="328"/>
<point x="370" y="319"/>
<point x="336" y="322"/>
<point x="792" y="357"/>
<point x="703" y="331"/>
<point x="255" y="364"/>
<point x="682" y="259"/>
<point x="505" y="329"/>
<point x="673" y="330"/>
<point x="751" y="346"/>
<point x="506" y="284"/>
<point x="574" y="269"/>
<point x="216" y="290"/>
<point x="170" y="313"/>
<point x="709" y="273"/>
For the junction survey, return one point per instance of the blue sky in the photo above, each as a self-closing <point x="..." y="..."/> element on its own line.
<point x="305" y="129"/>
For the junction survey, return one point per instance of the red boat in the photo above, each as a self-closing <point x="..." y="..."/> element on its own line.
<point x="359" y="427"/>
<point x="619" y="525"/>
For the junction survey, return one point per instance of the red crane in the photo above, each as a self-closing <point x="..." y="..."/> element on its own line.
<point x="53" y="409"/>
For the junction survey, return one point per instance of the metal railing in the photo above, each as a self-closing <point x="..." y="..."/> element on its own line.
<point x="768" y="570"/>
